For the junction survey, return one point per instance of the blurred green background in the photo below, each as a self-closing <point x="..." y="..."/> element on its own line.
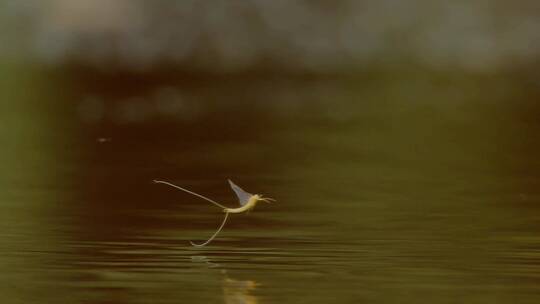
<point x="400" y="139"/>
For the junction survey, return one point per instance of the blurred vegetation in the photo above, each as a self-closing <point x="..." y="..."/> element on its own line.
<point x="223" y="36"/>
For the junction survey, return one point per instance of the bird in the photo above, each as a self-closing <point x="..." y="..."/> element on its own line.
<point x="247" y="202"/>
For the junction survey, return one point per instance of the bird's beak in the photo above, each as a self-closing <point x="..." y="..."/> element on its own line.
<point x="267" y="200"/>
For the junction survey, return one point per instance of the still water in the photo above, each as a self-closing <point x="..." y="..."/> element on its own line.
<point x="389" y="191"/>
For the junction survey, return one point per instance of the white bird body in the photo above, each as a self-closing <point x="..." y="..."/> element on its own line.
<point x="252" y="201"/>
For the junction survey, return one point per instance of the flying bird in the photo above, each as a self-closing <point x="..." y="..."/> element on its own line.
<point x="247" y="202"/>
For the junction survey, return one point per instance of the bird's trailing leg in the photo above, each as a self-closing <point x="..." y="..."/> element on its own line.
<point x="214" y="235"/>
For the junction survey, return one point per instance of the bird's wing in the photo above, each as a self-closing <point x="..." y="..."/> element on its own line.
<point x="243" y="196"/>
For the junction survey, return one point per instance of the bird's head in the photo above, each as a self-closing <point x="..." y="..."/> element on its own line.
<point x="260" y="198"/>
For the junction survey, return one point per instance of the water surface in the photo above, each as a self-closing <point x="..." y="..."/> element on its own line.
<point x="410" y="191"/>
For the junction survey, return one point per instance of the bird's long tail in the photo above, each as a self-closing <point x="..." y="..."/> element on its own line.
<point x="191" y="192"/>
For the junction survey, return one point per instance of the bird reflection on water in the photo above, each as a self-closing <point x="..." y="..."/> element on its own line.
<point x="238" y="291"/>
<point x="234" y="291"/>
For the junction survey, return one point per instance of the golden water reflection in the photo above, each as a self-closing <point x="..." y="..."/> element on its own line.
<point x="238" y="291"/>
<point x="234" y="291"/>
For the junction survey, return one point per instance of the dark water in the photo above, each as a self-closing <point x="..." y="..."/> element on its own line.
<point x="391" y="191"/>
